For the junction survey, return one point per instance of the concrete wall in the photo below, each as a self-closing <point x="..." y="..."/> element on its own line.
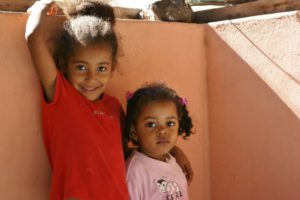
<point x="150" y="51"/>
<point x="254" y="107"/>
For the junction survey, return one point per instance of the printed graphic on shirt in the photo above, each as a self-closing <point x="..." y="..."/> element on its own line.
<point x="171" y="188"/>
<point x="100" y="113"/>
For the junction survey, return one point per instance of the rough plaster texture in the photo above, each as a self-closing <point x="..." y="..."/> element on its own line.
<point x="270" y="46"/>
<point x="254" y="101"/>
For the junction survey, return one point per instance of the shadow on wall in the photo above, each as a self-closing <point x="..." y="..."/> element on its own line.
<point x="270" y="45"/>
<point x="254" y="134"/>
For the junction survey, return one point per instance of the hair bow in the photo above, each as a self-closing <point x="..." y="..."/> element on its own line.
<point x="128" y="95"/>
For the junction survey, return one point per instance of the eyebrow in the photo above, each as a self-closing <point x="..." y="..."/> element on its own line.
<point x="82" y="61"/>
<point x="149" y="117"/>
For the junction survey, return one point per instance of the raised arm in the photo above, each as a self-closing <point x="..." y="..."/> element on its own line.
<point x="37" y="43"/>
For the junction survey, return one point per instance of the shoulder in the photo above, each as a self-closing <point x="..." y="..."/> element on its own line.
<point x="62" y="88"/>
<point x="135" y="163"/>
<point x="111" y="100"/>
<point x="113" y="104"/>
<point x="173" y="164"/>
<point x="61" y="82"/>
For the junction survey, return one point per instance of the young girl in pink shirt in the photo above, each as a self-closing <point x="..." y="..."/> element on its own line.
<point x="155" y="117"/>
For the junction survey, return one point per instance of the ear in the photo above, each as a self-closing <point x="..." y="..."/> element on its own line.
<point x="132" y="130"/>
<point x="133" y="136"/>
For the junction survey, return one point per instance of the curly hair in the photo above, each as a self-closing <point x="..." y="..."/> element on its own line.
<point x="156" y="92"/>
<point x="88" y="22"/>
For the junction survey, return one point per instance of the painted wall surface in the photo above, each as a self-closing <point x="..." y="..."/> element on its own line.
<point x="150" y="51"/>
<point x="24" y="169"/>
<point x="254" y="107"/>
<point x="173" y="53"/>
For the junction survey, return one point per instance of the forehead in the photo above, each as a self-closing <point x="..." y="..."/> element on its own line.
<point x="159" y="108"/>
<point x="100" y="50"/>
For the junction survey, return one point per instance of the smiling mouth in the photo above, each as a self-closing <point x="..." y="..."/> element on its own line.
<point x="89" y="89"/>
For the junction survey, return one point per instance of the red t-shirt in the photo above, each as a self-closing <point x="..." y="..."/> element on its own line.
<point x="83" y="142"/>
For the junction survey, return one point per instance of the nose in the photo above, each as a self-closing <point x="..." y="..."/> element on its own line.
<point x="91" y="76"/>
<point x="162" y="130"/>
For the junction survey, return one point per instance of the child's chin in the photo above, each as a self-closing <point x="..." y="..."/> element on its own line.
<point x="91" y="98"/>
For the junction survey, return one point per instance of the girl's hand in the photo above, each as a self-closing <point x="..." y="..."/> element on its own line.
<point x="184" y="163"/>
<point x="37" y="11"/>
<point x="39" y="5"/>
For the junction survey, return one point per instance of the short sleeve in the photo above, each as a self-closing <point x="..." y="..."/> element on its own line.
<point x="134" y="190"/>
<point x="57" y="90"/>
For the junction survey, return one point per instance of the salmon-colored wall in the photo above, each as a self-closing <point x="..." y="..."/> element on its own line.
<point x="173" y="53"/>
<point x="150" y="51"/>
<point x="24" y="169"/>
<point x="254" y="107"/>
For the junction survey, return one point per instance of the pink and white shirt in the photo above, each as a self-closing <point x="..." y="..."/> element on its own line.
<point x="151" y="179"/>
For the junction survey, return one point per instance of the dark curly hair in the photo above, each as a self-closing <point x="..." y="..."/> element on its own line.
<point x="156" y="92"/>
<point x="88" y="22"/>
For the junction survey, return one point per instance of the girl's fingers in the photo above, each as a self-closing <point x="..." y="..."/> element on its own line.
<point x="39" y="5"/>
<point x="46" y="1"/>
<point x="53" y="10"/>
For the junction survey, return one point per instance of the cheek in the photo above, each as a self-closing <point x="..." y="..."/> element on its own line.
<point x="104" y="77"/>
<point x="74" y="78"/>
<point x="175" y="137"/>
<point x="147" y="139"/>
<point x="108" y="76"/>
<point x="175" y="133"/>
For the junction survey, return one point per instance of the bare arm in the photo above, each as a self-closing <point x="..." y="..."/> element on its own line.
<point x="39" y="50"/>
<point x="183" y="162"/>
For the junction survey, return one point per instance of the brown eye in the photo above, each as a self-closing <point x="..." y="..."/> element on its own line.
<point x="150" y="124"/>
<point x="170" y="123"/>
<point x="102" y="69"/>
<point x="80" y="67"/>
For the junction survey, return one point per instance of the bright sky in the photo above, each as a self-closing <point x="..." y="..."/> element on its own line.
<point x="132" y="3"/>
<point x="143" y="4"/>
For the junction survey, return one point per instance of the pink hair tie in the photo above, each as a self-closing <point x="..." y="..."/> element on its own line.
<point x="183" y="101"/>
<point x="128" y="95"/>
